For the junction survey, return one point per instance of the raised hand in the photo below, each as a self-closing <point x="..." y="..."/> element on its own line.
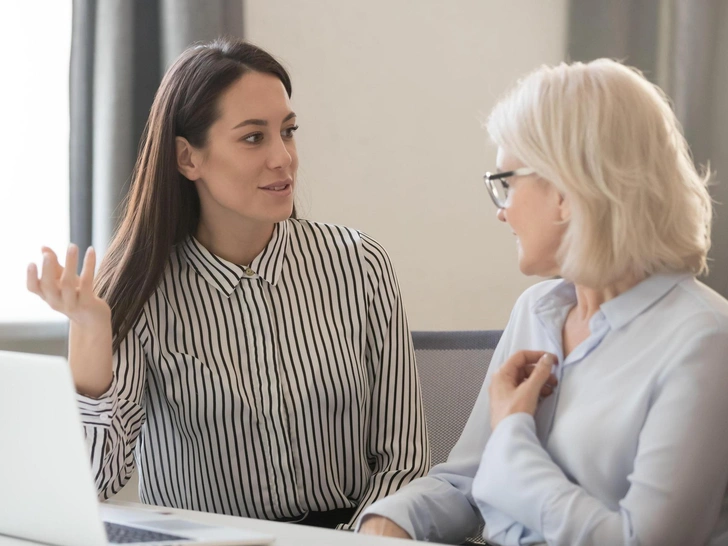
<point x="89" y="344"/>
<point x="65" y="291"/>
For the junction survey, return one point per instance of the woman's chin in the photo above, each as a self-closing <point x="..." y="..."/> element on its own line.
<point x="535" y="269"/>
<point x="281" y="213"/>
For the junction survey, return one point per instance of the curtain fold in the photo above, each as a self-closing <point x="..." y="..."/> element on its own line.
<point x="677" y="44"/>
<point x="120" y="49"/>
<point x="619" y="29"/>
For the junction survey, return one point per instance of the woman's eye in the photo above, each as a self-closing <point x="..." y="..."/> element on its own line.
<point x="288" y="131"/>
<point x="254" y="138"/>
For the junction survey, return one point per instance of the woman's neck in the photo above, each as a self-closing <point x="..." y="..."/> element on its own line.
<point x="239" y="244"/>
<point x="588" y="300"/>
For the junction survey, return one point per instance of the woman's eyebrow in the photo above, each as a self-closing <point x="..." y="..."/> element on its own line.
<point x="261" y="122"/>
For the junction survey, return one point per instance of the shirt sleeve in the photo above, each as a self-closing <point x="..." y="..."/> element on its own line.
<point x="112" y="422"/>
<point x="397" y="449"/>
<point x="679" y="476"/>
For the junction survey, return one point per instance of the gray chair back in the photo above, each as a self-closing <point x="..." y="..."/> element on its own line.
<point x="452" y="367"/>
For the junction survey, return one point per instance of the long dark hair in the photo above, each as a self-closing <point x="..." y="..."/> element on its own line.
<point x="163" y="208"/>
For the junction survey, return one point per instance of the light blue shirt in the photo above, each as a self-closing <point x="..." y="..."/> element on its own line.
<point x="632" y="447"/>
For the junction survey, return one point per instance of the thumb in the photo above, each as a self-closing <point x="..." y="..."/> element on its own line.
<point x="540" y="374"/>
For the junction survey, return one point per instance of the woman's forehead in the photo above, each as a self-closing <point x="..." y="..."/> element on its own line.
<point x="255" y="96"/>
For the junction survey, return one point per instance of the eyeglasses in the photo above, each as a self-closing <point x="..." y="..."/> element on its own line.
<point x="498" y="186"/>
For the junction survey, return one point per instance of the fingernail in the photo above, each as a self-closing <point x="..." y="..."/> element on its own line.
<point x="547" y="359"/>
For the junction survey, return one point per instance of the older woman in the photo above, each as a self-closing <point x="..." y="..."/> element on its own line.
<point x="602" y="418"/>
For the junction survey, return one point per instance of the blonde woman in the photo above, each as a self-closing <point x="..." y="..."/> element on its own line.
<point x="602" y="417"/>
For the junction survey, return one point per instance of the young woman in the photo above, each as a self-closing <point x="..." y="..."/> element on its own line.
<point x="602" y="417"/>
<point x="246" y="362"/>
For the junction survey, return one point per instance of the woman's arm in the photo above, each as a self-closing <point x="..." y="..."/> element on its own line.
<point x="109" y="387"/>
<point x="113" y="421"/>
<point x="397" y="433"/>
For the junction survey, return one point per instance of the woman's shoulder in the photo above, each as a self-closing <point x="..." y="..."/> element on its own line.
<point x="697" y="304"/>
<point x="348" y="247"/>
<point x="331" y="234"/>
<point x="303" y="225"/>
<point x="534" y="293"/>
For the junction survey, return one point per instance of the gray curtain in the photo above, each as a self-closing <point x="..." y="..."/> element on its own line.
<point x="677" y="44"/>
<point x="119" y="51"/>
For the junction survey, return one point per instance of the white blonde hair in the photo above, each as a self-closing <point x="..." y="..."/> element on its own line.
<point x="608" y="140"/>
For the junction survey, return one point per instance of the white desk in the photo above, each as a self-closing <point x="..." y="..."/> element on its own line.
<point x="287" y="534"/>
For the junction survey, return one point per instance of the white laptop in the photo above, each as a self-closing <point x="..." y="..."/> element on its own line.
<point x="46" y="488"/>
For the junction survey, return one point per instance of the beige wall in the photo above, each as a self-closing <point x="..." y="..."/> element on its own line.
<point x="390" y="97"/>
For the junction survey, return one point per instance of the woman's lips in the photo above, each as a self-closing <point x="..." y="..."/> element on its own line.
<point x="281" y="188"/>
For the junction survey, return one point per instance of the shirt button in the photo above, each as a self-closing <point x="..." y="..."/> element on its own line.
<point x="249" y="272"/>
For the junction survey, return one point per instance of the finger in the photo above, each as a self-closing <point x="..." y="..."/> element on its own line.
<point x="49" y="278"/>
<point x="87" y="273"/>
<point x="515" y="368"/>
<point x="32" y="280"/>
<point x="69" y="279"/>
<point x="540" y="375"/>
<point x="546" y="390"/>
<point x="58" y="269"/>
<point x="552" y="381"/>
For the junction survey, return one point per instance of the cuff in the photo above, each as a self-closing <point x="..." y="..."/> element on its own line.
<point x="98" y="411"/>
<point x="391" y="508"/>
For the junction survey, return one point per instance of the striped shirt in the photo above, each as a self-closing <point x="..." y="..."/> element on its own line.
<point x="265" y="391"/>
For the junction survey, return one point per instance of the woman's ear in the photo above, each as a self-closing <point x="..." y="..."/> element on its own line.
<point x="188" y="159"/>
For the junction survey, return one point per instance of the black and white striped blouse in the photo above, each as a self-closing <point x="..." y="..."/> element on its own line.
<point x="266" y="391"/>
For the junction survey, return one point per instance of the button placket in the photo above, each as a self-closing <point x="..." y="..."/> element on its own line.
<point x="271" y="402"/>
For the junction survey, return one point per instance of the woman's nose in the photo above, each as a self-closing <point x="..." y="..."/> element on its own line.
<point x="280" y="156"/>
<point x="501" y="215"/>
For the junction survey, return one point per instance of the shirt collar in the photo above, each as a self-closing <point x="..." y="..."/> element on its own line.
<point x="626" y="307"/>
<point x="619" y="311"/>
<point x="225" y="276"/>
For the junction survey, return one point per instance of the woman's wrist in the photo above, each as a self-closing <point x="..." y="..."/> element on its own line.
<point x="90" y="358"/>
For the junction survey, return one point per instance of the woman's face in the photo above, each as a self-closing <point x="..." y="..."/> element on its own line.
<point x="246" y="172"/>
<point x="536" y="213"/>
